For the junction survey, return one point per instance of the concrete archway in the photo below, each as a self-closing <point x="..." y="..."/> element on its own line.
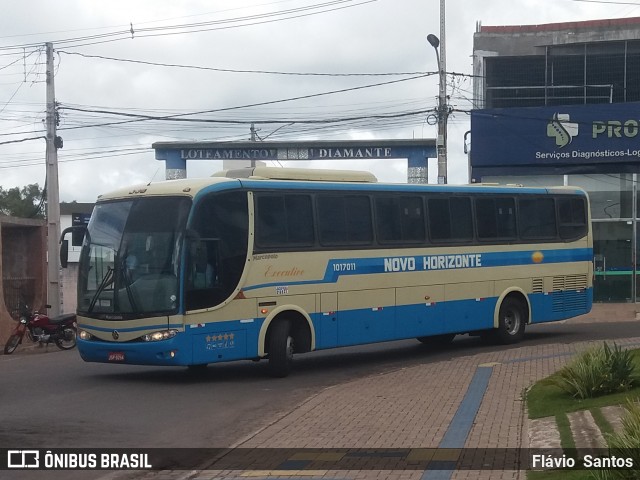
<point x="416" y="151"/>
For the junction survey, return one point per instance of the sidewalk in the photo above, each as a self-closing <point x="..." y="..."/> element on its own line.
<point x="473" y="401"/>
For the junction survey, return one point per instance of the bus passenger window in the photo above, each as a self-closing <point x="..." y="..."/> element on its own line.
<point x="537" y="218"/>
<point x="284" y="220"/>
<point x="271" y="226"/>
<point x="496" y="218"/>
<point x="461" y="218"/>
<point x="450" y="219"/>
<point x="572" y="216"/>
<point x="344" y="220"/>
<point x="399" y="219"/>
<point x="506" y="217"/>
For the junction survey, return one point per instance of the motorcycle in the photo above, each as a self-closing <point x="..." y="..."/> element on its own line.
<point x="38" y="327"/>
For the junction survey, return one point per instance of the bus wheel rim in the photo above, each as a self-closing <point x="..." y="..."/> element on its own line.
<point x="512" y="322"/>
<point x="290" y="347"/>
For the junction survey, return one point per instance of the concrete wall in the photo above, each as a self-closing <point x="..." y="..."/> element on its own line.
<point x="68" y="288"/>
<point x="524" y="40"/>
<point x="22" y="268"/>
<point x="520" y="40"/>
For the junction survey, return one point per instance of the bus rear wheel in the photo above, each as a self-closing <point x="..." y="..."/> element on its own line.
<point x="281" y="348"/>
<point x="512" y="319"/>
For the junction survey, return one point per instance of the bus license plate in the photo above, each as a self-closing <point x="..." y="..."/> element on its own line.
<point x="116" y="356"/>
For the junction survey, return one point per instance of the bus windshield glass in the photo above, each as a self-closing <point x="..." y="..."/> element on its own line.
<point x="131" y="257"/>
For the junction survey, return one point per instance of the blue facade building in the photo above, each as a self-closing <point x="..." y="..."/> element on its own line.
<point x="559" y="104"/>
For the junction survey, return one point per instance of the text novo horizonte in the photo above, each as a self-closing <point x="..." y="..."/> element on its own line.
<point x="432" y="262"/>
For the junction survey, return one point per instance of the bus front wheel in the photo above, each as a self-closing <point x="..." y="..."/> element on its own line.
<point x="281" y="348"/>
<point x="512" y="319"/>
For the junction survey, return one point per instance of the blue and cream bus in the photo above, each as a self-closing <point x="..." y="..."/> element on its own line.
<point x="265" y="263"/>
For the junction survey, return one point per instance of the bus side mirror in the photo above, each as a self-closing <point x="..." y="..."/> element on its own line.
<point x="64" y="244"/>
<point x="64" y="253"/>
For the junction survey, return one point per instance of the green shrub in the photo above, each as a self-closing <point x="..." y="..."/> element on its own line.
<point x="625" y="444"/>
<point x="598" y="371"/>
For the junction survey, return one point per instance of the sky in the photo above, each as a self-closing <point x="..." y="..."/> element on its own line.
<point x="247" y="61"/>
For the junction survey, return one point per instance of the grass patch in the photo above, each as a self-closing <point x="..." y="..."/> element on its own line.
<point x="602" y="423"/>
<point x="564" y="428"/>
<point x="598" y="371"/>
<point x="625" y="445"/>
<point x="557" y="475"/>
<point x="547" y="399"/>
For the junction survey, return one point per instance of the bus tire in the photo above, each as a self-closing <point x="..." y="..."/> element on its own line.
<point x="512" y="318"/>
<point x="281" y="347"/>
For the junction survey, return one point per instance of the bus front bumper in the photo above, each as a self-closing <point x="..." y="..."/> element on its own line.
<point x="164" y="352"/>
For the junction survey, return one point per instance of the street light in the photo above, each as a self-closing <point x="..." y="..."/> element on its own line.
<point x="443" y="112"/>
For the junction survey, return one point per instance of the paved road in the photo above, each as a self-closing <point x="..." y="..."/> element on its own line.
<point x="56" y="400"/>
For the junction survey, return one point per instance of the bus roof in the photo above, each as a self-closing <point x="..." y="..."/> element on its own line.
<point x="270" y="177"/>
<point x="306" y="174"/>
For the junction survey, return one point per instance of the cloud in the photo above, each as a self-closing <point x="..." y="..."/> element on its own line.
<point x="380" y="36"/>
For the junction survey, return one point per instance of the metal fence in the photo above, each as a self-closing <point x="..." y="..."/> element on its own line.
<point x="17" y="289"/>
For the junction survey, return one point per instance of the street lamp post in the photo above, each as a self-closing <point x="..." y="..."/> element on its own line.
<point x="443" y="112"/>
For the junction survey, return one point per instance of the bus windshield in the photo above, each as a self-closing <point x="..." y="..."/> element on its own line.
<point x="131" y="258"/>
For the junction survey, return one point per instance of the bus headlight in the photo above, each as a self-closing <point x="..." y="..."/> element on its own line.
<point x="84" y="335"/>
<point x="157" y="336"/>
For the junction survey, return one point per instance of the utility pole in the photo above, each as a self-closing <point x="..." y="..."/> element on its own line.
<point x="253" y="139"/>
<point x="443" y="108"/>
<point x="53" y="195"/>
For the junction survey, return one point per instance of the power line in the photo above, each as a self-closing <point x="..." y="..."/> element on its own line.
<point x="83" y="158"/>
<point x="179" y="117"/>
<point x="42" y="137"/>
<point x="237" y="22"/>
<point x="289" y="121"/>
<point x="230" y="70"/>
<point x="608" y="2"/>
<point x="143" y="23"/>
<point x="270" y="72"/>
<point x="143" y="117"/>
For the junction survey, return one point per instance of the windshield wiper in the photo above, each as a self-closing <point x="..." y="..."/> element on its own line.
<point x="108" y="278"/>
<point x="127" y="285"/>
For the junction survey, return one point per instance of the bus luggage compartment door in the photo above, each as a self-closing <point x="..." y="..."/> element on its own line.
<point x="366" y="316"/>
<point x="420" y="311"/>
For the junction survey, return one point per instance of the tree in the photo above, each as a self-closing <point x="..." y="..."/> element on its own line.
<point x="25" y="202"/>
